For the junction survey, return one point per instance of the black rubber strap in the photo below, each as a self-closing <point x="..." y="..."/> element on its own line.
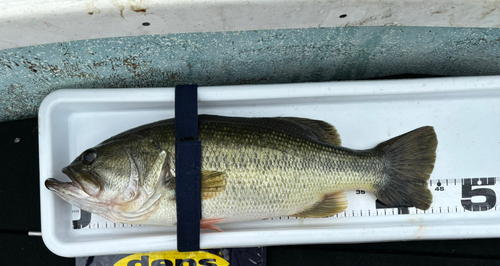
<point x="187" y="168"/>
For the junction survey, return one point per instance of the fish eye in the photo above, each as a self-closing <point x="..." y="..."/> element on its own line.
<point x="89" y="155"/>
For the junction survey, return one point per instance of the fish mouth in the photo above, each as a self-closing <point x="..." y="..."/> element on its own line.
<point x="55" y="185"/>
<point x="79" y="183"/>
<point x="74" y="193"/>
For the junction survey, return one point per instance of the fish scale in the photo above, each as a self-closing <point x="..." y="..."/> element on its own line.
<point x="295" y="175"/>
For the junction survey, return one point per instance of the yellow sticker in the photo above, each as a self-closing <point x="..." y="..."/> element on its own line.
<point x="173" y="258"/>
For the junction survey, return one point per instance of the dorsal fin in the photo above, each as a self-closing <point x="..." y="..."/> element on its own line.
<point x="329" y="205"/>
<point x="322" y="130"/>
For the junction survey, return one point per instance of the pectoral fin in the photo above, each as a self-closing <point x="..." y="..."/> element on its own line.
<point x="212" y="184"/>
<point x="210" y="224"/>
<point x="330" y="205"/>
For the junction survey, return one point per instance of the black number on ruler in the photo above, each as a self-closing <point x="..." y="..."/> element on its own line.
<point x="83" y="221"/>
<point x="401" y="210"/>
<point x="439" y="187"/>
<point x="468" y="193"/>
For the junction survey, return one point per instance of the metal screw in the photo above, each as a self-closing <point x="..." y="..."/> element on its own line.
<point x="34" y="233"/>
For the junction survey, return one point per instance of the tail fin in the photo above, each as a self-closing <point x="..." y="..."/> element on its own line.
<point x="409" y="161"/>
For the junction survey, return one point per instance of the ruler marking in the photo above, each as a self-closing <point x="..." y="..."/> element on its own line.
<point x="440" y="202"/>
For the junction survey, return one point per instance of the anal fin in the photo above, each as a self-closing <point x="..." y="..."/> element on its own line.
<point x="329" y="205"/>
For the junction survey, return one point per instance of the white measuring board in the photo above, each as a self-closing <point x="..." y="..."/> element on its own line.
<point x="449" y="196"/>
<point x="465" y="113"/>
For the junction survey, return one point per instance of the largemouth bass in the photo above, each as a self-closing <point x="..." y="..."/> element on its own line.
<point x="252" y="169"/>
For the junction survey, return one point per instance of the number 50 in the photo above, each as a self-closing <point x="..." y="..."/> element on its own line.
<point x="468" y="193"/>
